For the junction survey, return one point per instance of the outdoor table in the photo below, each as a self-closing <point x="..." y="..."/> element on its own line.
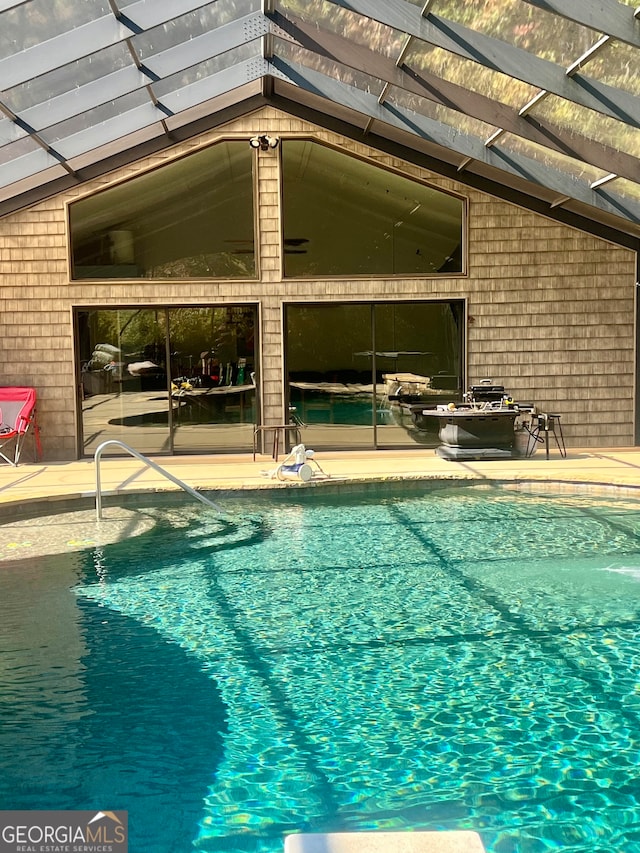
<point x="475" y="432"/>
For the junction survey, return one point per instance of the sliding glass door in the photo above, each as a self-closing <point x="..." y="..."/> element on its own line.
<point x="165" y="380"/>
<point x="329" y="373"/>
<point x="123" y="378"/>
<point x="212" y="378"/>
<point x="358" y="374"/>
<point x="418" y="363"/>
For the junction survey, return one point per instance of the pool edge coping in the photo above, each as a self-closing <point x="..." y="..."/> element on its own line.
<point x="14" y="509"/>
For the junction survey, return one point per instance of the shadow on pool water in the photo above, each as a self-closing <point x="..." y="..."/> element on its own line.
<point x="137" y="727"/>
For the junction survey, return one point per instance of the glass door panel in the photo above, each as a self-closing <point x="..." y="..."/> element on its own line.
<point x="418" y="351"/>
<point x="166" y="380"/>
<point x="329" y="374"/>
<point x="123" y="379"/>
<point x="212" y="373"/>
<point x="359" y="374"/>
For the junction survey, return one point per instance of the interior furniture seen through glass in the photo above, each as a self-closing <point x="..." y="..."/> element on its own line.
<point x="358" y="375"/>
<point x="190" y="218"/>
<point x="165" y="380"/>
<point x="345" y="216"/>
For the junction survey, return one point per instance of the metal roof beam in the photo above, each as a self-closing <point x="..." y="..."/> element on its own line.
<point x="29" y="133"/>
<point x="146" y="114"/>
<point x="217" y="84"/>
<point x="24" y="167"/>
<point x="602" y="181"/>
<point x="148" y="15"/>
<point x="5" y="5"/>
<point x="499" y="56"/>
<point x="604" y="16"/>
<point x="61" y="50"/>
<point x="130" y="79"/>
<point x="27" y="187"/>
<point x="429" y="86"/>
<point x="10" y="131"/>
<point x="588" y="55"/>
<point x="90" y="38"/>
<point x="450" y="138"/>
<point x="308" y="107"/>
<point x="84" y="98"/>
<point x="136" y="119"/>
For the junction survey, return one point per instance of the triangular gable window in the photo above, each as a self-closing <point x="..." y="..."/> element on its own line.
<point x="346" y="217"/>
<point x="192" y="218"/>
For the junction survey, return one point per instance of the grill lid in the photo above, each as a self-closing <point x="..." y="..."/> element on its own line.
<point x="487" y="393"/>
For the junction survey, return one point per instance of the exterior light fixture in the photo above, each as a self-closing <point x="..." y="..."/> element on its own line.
<point x="264" y="142"/>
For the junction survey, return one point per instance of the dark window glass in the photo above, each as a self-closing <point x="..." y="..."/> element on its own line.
<point x="191" y="218"/>
<point x="359" y="374"/>
<point x="331" y="388"/>
<point x="167" y="380"/>
<point x="212" y="377"/>
<point x="343" y="216"/>
<point x="123" y="378"/>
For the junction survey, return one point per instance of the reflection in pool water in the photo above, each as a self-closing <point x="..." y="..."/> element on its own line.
<point x="460" y="658"/>
<point x="322" y="408"/>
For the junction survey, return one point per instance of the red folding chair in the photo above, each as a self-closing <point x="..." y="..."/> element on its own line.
<point x="17" y="418"/>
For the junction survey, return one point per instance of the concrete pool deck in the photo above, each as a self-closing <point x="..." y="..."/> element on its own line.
<point x="60" y="481"/>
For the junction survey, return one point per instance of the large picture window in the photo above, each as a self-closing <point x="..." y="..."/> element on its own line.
<point x="193" y="218"/>
<point x="344" y="217"/>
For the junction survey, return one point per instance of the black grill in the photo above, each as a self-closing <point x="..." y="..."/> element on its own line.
<point x="487" y="393"/>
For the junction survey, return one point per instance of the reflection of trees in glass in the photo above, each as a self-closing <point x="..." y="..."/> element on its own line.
<point x="194" y="330"/>
<point x="575" y="118"/>
<point x="550" y="37"/>
<point x="470" y="75"/>
<point x="138" y="333"/>
<point x="542" y="33"/>
<point x="355" y="27"/>
<point x="325" y="337"/>
<point x="31" y="23"/>
<point x="228" y="59"/>
<point x="225" y="333"/>
<point x="185" y="27"/>
<point x="616" y="65"/>
<point x="349" y="76"/>
<point x="218" y="264"/>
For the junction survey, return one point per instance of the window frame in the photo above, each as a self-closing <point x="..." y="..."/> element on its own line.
<point x="373" y="162"/>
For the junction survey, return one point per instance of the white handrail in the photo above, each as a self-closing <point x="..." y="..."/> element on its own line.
<point x="98" y="454"/>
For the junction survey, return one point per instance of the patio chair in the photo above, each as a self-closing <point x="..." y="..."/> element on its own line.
<point x="17" y="418"/>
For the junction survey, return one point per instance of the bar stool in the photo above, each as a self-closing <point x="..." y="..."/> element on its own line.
<point x="544" y="424"/>
<point x="280" y="431"/>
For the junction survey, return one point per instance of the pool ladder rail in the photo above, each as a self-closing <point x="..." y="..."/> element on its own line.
<point x="115" y="443"/>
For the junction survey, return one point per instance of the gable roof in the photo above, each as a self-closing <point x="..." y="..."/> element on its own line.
<point x="536" y="100"/>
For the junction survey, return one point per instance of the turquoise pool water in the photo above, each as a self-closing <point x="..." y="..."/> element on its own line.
<point x="458" y="657"/>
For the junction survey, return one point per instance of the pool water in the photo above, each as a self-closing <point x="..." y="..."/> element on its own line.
<point x="439" y="658"/>
<point x="327" y="408"/>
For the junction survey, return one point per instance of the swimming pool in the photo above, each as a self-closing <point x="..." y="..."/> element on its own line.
<point x="459" y="657"/>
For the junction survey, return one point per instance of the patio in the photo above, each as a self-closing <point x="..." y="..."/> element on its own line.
<point x="67" y="481"/>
